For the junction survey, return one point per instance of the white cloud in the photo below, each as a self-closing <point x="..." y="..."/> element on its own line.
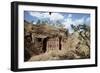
<point x="35" y="14"/>
<point x="39" y="15"/>
<point x="45" y="15"/>
<point x="52" y="17"/>
<point x="67" y="22"/>
<point x="88" y="20"/>
<point x="69" y="15"/>
<point x="80" y="21"/>
<point x="56" y="16"/>
<point x="34" y="22"/>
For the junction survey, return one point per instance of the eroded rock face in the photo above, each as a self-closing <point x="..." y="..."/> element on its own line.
<point x="32" y="48"/>
<point x="43" y="43"/>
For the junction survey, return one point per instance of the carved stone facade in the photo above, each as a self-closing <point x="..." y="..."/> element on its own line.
<point x="53" y="44"/>
<point x="42" y="39"/>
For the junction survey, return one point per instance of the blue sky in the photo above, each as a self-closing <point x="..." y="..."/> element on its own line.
<point x="65" y="19"/>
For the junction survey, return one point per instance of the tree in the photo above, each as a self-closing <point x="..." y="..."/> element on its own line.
<point x="84" y="33"/>
<point x="74" y="28"/>
<point x="38" y="22"/>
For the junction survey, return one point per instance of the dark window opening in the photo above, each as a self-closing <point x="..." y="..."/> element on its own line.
<point x="32" y="28"/>
<point x="39" y="39"/>
<point x="44" y="45"/>
<point x="59" y="43"/>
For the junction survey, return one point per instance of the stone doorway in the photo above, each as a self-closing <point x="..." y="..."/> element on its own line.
<point x="44" y="45"/>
